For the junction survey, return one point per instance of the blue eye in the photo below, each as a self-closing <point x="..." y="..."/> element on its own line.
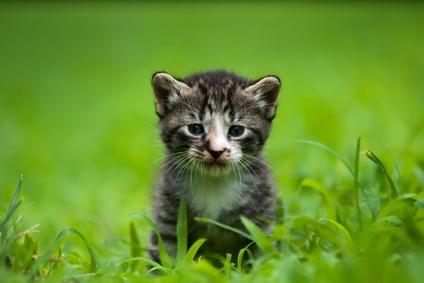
<point x="196" y="129"/>
<point x="236" y="131"/>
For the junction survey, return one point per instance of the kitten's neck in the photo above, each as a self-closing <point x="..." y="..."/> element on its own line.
<point x="209" y="196"/>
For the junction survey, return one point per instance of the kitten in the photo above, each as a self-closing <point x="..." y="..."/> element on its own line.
<point x="214" y="126"/>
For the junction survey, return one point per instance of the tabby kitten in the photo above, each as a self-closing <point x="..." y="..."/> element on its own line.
<point x="214" y="126"/>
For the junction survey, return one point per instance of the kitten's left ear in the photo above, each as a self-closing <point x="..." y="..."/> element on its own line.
<point x="265" y="91"/>
<point x="167" y="91"/>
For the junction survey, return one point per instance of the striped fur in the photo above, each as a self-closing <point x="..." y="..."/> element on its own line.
<point x="214" y="126"/>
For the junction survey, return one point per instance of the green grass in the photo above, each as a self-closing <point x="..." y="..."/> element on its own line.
<point x="77" y="120"/>
<point x="345" y="245"/>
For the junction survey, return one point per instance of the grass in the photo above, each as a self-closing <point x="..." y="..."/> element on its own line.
<point x="381" y="240"/>
<point x="77" y="120"/>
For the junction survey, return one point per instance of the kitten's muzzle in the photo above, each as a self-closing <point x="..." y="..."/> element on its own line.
<point x="217" y="160"/>
<point x="216" y="154"/>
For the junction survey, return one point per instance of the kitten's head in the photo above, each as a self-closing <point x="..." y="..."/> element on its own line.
<point x="214" y="121"/>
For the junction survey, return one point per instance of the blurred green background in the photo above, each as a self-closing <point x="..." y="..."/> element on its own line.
<point x="77" y="114"/>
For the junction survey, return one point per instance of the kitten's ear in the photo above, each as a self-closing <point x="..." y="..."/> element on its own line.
<point x="265" y="91"/>
<point x="167" y="91"/>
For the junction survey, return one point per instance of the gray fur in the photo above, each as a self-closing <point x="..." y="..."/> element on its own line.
<point x="222" y="176"/>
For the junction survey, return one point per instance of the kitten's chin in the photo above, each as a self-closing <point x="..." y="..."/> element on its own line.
<point x="216" y="168"/>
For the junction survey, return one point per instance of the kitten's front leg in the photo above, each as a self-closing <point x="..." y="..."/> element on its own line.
<point x="165" y="218"/>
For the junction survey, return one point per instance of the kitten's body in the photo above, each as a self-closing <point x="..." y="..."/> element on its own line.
<point x="214" y="126"/>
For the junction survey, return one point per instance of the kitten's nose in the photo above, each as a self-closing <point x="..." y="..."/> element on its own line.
<point x="216" y="154"/>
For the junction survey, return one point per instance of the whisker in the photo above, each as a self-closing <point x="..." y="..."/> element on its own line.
<point x="177" y="164"/>
<point x="246" y="166"/>
<point x="251" y="164"/>
<point x="237" y="170"/>
<point x="175" y="159"/>
<point x="177" y="154"/>
<point x="260" y="160"/>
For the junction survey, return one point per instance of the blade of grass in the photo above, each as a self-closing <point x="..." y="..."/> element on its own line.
<point x="348" y="239"/>
<point x="419" y="203"/>
<point x="368" y="153"/>
<point x="13" y="205"/>
<point x="228" y="266"/>
<point x="326" y="197"/>
<point x="226" y="227"/>
<point x="263" y="242"/>
<point x="330" y="151"/>
<point x="163" y="254"/>
<point x="398" y="206"/>
<point x="6" y="240"/>
<point x="240" y="257"/>
<point x="156" y="266"/>
<point x="356" y="184"/>
<point x="398" y="173"/>
<point x="191" y="253"/>
<point x="352" y="172"/>
<point x="135" y="245"/>
<point x="96" y="261"/>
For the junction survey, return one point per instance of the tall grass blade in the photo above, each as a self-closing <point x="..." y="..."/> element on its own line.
<point x="182" y="231"/>
<point x="13" y="205"/>
<point x="356" y="184"/>
<point x="263" y="242"/>
<point x="376" y="160"/>
<point x="420" y="203"/>
<point x="136" y="249"/>
<point x="328" y="201"/>
<point x="228" y="265"/>
<point x="192" y="251"/>
<point x="163" y="254"/>
<point x="96" y="261"/>
<point x="156" y="266"/>
<point x="352" y="171"/>
<point x="226" y="227"/>
<point x="280" y="211"/>
<point x="241" y="256"/>
<point x="398" y="206"/>
<point x="346" y="235"/>
<point x="330" y="151"/>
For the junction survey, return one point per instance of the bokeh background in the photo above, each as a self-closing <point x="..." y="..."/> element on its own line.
<point x="77" y="113"/>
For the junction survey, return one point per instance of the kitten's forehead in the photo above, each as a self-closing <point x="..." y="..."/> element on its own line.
<point x="216" y="92"/>
<point x="217" y="84"/>
<point x="205" y="107"/>
<point x="216" y="79"/>
<point x="214" y="112"/>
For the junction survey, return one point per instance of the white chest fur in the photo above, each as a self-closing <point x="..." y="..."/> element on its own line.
<point x="211" y="195"/>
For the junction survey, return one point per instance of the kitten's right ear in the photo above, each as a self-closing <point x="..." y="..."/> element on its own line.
<point x="167" y="91"/>
<point x="265" y="91"/>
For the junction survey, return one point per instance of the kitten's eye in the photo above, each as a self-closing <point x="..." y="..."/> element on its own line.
<point x="196" y="129"/>
<point x="236" y="131"/>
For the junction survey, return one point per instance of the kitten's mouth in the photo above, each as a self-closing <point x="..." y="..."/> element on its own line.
<point x="216" y="166"/>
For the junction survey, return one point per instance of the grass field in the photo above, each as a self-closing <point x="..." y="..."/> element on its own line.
<point x="77" y="120"/>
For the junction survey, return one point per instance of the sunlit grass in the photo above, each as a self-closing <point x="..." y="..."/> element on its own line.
<point x="380" y="237"/>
